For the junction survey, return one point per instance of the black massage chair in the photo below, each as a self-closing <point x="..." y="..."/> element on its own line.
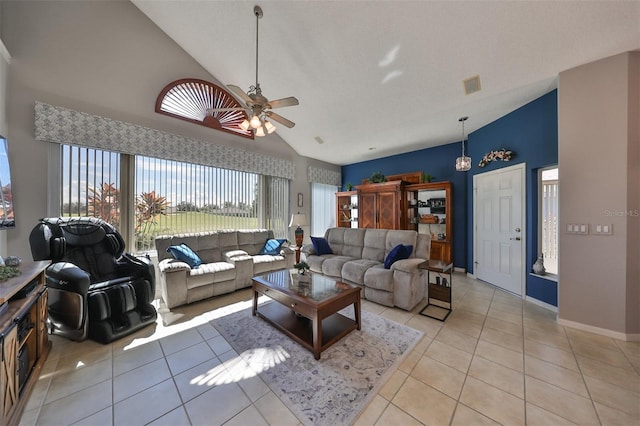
<point x="95" y="289"/>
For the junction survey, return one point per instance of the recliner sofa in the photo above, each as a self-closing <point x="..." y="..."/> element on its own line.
<point x="358" y="258"/>
<point x="230" y="258"/>
<point x="95" y="289"/>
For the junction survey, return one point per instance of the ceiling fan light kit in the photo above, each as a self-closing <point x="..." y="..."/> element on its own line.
<point x="463" y="163"/>
<point x="259" y="107"/>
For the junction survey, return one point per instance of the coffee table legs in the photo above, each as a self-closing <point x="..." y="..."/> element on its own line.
<point x="317" y="336"/>
<point x="255" y="302"/>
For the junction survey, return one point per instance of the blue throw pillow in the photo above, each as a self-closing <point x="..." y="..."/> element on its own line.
<point x="321" y="246"/>
<point x="184" y="253"/>
<point x="272" y="246"/>
<point x="399" y="252"/>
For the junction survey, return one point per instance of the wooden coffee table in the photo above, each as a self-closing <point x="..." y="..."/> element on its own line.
<point x="307" y="311"/>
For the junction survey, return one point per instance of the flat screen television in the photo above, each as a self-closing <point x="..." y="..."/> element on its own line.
<point x="7" y="219"/>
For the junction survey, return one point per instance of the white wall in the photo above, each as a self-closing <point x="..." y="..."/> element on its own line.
<point x="104" y="58"/>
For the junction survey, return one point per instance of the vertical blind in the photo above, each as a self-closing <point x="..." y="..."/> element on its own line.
<point x="171" y="197"/>
<point x="323" y="208"/>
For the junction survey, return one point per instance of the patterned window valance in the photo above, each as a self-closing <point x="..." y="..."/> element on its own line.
<point x="62" y="125"/>
<point x="328" y="177"/>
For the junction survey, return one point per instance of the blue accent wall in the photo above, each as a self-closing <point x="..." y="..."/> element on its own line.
<point x="531" y="132"/>
<point x="439" y="162"/>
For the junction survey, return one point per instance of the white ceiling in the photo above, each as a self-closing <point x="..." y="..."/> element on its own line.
<point x="377" y="78"/>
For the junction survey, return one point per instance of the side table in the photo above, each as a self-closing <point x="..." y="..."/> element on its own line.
<point x="439" y="281"/>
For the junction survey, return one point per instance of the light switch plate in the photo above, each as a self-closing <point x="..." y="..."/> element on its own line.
<point x="606" y="229"/>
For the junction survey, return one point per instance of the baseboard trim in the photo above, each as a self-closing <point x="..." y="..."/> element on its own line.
<point x="459" y="269"/>
<point x="471" y="275"/>
<point x="541" y="304"/>
<point x="627" y="337"/>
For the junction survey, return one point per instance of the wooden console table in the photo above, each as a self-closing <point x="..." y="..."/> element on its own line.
<point x="24" y="339"/>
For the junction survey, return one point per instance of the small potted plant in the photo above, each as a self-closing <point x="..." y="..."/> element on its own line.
<point x="377" y="177"/>
<point x="302" y="267"/>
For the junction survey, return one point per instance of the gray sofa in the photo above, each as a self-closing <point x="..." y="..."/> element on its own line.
<point x="358" y="258"/>
<point x="229" y="260"/>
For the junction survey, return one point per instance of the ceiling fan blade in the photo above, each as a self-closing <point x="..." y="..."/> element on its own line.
<point x="284" y="102"/>
<point x="238" y="91"/>
<point x="212" y="110"/>
<point x="280" y="119"/>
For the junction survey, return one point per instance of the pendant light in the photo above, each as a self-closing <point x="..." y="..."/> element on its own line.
<point x="463" y="163"/>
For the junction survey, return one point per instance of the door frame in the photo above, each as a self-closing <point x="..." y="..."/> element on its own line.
<point x="522" y="167"/>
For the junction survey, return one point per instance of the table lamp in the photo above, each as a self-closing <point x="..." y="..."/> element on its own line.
<point x="298" y="220"/>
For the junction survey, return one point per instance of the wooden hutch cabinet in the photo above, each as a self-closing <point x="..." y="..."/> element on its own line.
<point x="430" y="212"/>
<point x="347" y="209"/>
<point x="382" y="205"/>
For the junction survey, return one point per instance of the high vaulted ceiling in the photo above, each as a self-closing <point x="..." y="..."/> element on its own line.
<point x="377" y="78"/>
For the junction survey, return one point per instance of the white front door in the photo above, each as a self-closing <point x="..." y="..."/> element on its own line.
<point x="499" y="227"/>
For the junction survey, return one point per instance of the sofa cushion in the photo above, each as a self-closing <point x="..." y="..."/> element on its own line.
<point x="379" y="278"/>
<point x="266" y="262"/>
<point x="211" y="273"/>
<point x="315" y="262"/>
<point x="400" y="236"/>
<point x="321" y="246"/>
<point x="252" y="240"/>
<point x="209" y="247"/>
<point x="375" y="245"/>
<point x="272" y="246"/>
<point x="184" y="253"/>
<point x="346" y="241"/>
<point x="399" y="252"/>
<point x="332" y="266"/>
<point x="354" y="270"/>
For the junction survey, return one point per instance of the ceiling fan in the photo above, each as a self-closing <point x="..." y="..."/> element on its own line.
<point x="258" y="107"/>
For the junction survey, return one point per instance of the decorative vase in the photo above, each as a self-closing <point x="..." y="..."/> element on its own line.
<point x="538" y="267"/>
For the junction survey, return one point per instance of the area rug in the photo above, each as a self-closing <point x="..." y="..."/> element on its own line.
<point x="334" y="389"/>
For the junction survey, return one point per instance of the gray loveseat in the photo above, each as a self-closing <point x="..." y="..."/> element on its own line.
<point x="358" y="258"/>
<point x="229" y="260"/>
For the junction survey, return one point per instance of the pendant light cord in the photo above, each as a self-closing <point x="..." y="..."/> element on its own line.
<point x="462" y="120"/>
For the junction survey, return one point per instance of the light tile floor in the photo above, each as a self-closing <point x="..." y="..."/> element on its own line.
<point x="496" y="360"/>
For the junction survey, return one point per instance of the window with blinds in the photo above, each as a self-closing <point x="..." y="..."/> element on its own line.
<point x="323" y="208"/>
<point x="90" y="183"/>
<point x="170" y="197"/>
<point x="549" y="218"/>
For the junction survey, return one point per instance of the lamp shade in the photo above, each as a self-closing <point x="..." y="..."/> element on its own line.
<point x="269" y="126"/>
<point x="255" y="122"/>
<point x="299" y="219"/>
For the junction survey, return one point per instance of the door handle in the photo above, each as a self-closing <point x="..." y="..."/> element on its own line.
<point x="516" y="238"/>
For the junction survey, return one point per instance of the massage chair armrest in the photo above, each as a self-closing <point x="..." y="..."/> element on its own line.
<point x="407" y="265"/>
<point x="138" y="266"/>
<point x="110" y="283"/>
<point x="68" y="277"/>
